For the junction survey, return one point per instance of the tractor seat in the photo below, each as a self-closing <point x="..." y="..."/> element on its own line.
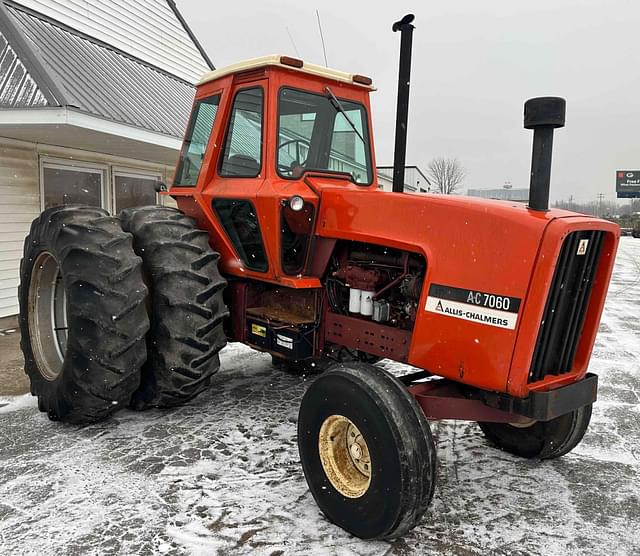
<point x="241" y="165"/>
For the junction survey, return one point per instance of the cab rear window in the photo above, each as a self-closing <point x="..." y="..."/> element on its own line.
<point x="195" y="142"/>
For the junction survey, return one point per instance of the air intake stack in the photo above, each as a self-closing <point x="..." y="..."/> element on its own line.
<point x="543" y="115"/>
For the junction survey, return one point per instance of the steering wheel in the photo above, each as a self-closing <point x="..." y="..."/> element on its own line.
<point x="296" y="162"/>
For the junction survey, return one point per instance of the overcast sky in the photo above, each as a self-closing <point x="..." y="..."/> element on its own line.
<point x="474" y="65"/>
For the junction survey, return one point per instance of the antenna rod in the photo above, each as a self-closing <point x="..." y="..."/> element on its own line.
<point x="293" y="42"/>
<point x="402" y="114"/>
<point x="324" y="51"/>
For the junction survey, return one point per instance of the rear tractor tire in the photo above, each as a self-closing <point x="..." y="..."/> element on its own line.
<point x="186" y="306"/>
<point x="540" y="440"/>
<point x="82" y="314"/>
<point x="366" y="451"/>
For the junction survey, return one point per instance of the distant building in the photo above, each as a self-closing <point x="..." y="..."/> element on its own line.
<point x="505" y="193"/>
<point x="94" y="99"/>
<point x="414" y="179"/>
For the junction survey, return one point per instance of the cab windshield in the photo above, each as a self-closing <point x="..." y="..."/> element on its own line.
<point x="318" y="132"/>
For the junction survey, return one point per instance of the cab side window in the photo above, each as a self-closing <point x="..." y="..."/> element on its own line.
<point x="240" y="221"/>
<point x="243" y="144"/>
<point x="296" y="229"/>
<point x="196" y="139"/>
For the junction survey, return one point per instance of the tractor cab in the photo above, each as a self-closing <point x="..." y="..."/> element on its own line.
<point x="259" y="132"/>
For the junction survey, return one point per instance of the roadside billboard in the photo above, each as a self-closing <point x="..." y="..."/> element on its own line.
<point x="628" y="184"/>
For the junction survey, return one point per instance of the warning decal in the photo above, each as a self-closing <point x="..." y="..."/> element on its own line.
<point x="258" y="330"/>
<point x="484" y="308"/>
<point x="284" y="341"/>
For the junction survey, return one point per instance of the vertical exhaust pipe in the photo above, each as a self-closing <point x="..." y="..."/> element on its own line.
<point x="543" y="115"/>
<point x="402" y="113"/>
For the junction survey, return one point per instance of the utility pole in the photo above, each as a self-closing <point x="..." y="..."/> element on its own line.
<point x="600" y="198"/>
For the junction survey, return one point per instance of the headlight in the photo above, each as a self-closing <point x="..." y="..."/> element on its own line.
<point x="296" y="203"/>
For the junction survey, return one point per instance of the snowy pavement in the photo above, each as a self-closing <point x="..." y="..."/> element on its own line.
<point x="221" y="475"/>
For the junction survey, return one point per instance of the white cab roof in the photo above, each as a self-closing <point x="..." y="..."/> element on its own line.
<point x="274" y="60"/>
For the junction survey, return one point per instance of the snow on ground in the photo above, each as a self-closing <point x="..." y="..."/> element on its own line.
<point x="221" y="475"/>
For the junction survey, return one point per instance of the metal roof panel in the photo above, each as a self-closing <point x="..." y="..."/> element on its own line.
<point x="151" y="30"/>
<point x="106" y="82"/>
<point x="17" y="87"/>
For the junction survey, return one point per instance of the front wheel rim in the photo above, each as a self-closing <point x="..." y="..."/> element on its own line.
<point x="345" y="457"/>
<point x="48" y="327"/>
<point x="524" y="424"/>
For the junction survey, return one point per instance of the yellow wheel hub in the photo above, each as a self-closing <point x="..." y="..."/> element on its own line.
<point x="345" y="456"/>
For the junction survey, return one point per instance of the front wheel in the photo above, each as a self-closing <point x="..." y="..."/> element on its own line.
<point x="541" y="440"/>
<point x="319" y="365"/>
<point x="366" y="451"/>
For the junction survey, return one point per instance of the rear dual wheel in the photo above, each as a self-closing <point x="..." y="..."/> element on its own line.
<point x="87" y="295"/>
<point x="186" y="305"/>
<point x="366" y="451"/>
<point x="82" y="314"/>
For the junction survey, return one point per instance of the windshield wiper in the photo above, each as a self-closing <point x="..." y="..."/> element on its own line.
<point x="338" y="106"/>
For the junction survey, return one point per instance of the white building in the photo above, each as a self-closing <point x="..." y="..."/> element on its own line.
<point x="505" y="193"/>
<point x="94" y="98"/>
<point x="414" y="179"/>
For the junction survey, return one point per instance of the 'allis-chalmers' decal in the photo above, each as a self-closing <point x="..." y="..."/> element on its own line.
<point x="475" y="306"/>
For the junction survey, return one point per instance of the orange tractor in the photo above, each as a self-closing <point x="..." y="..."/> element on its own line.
<point x="284" y="241"/>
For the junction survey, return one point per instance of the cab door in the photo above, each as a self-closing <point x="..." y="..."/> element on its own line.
<point x="239" y="174"/>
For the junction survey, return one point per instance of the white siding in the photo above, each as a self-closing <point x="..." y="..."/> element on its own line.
<point x="19" y="205"/>
<point x="147" y="29"/>
<point x="20" y="200"/>
<point x="414" y="181"/>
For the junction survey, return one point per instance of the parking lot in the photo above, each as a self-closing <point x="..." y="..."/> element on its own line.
<point x="221" y="474"/>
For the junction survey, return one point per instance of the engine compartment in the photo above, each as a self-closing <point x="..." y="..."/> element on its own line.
<point x="375" y="283"/>
<point x="367" y="306"/>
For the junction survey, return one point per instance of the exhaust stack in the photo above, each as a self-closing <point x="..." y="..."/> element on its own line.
<point x="543" y="115"/>
<point x="402" y="113"/>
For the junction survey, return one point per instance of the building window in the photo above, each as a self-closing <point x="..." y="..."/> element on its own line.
<point x="68" y="184"/>
<point x="133" y="189"/>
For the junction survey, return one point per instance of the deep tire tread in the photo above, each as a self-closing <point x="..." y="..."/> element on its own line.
<point x="107" y="321"/>
<point x="186" y="298"/>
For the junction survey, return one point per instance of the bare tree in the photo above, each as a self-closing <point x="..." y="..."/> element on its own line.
<point x="446" y="174"/>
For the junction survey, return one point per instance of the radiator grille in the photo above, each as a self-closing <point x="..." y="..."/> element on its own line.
<point x="567" y="304"/>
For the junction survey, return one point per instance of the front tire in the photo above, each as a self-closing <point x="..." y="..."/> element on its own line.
<point x="82" y="314"/>
<point x="540" y="440"/>
<point x="366" y="451"/>
<point x="314" y="366"/>
<point x="186" y="305"/>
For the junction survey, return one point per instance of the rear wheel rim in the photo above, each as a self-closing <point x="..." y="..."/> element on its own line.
<point x="345" y="457"/>
<point x="48" y="328"/>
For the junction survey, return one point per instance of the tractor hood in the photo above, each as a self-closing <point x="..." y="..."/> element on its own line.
<point x="408" y="221"/>
<point x="470" y="245"/>
<point x="473" y="242"/>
